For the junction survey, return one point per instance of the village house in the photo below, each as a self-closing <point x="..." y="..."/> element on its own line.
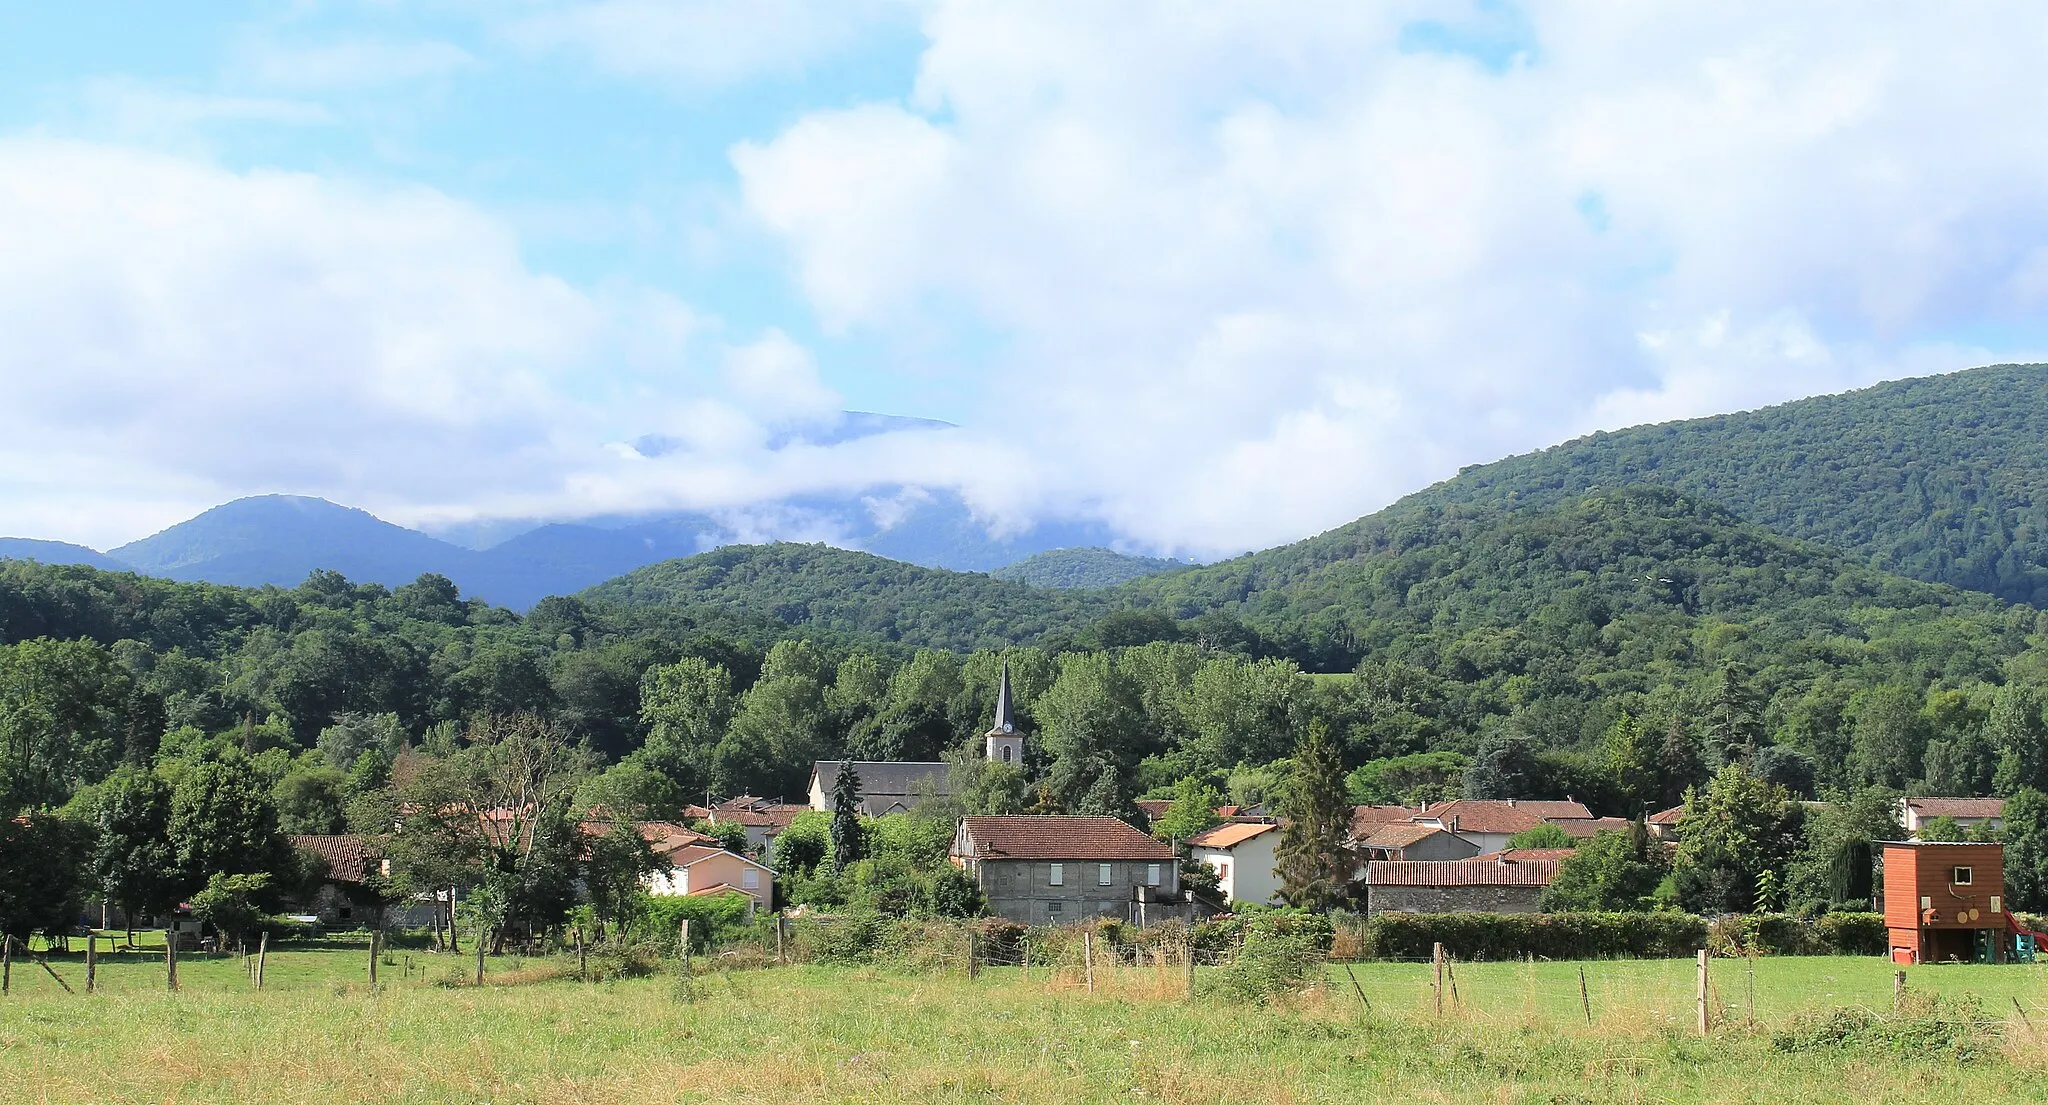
<point x="1944" y="902"/>
<point x="1058" y="870"/>
<point x="1243" y="857"/>
<point x="1488" y="823"/>
<point x="1974" y="814"/>
<point x="339" y="900"/>
<point x="1500" y="884"/>
<point x="763" y="819"/>
<point x="1664" y="823"/>
<point x="1411" y="840"/>
<point x="693" y="869"/>
<point x="1586" y="828"/>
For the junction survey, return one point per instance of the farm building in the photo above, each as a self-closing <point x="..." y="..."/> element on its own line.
<point x="1944" y="902"/>
<point x="1502" y="884"/>
<point x="1056" y="870"/>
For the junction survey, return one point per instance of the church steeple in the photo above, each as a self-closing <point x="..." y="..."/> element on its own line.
<point x="1005" y="740"/>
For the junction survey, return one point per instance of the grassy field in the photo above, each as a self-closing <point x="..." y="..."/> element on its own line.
<point x="813" y="1034"/>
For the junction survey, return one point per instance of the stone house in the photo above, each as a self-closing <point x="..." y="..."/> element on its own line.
<point x="1059" y="870"/>
<point x="886" y="786"/>
<point x="1503" y="884"/>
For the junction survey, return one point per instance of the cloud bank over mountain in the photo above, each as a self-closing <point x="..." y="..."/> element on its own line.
<point x="1215" y="279"/>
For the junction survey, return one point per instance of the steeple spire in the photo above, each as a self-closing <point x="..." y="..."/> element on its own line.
<point x="1006" y="711"/>
<point x="1005" y="741"/>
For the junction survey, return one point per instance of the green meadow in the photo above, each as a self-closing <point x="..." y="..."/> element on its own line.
<point x="1785" y="1030"/>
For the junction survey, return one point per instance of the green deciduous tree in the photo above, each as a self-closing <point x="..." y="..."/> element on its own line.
<point x="1192" y="811"/>
<point x="1735" y="829"/>
<point x="134" y="863"/>
<point x="1409" y="780"/>
<point x="222" y="821"/>
<point x="229" y="904"/>
<point x="2025" y="828"/>
<point x="1545" y="835"/>
<point x="2016" y="729"/>
<point x="61" y="720"/>
<point x="1616" y="870"/>
<point x="45" y="868"/>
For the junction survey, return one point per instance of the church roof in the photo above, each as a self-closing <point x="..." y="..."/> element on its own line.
<point x="1006" y="710"/>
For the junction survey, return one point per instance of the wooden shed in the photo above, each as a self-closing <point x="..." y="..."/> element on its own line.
<point x="1944" y="902"/>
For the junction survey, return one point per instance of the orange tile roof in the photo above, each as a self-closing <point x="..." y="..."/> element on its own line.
<point x="1958" y="807"/>
<point x="1671" y="816"/>
<point x="1028" y="836"/>
<point x="347" y="855"/>
<point x="1232" y="834"/>
<point x="1482" y="815"/>
<point x="1587" y="828"/>
<point x="1461" y="872"/>
<point x="1525" y="854"/>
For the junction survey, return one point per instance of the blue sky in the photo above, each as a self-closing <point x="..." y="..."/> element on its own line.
<point x="1219" y="276"/>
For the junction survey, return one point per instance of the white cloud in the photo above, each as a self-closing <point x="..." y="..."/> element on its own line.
<point x="352" y="63"/>
<point x="778" y="379"/>
<point x="173" y="334"/>
<point x="1259" y="270"/>
<point x="701" y="42"/>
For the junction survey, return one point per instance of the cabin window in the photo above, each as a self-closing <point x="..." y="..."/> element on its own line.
<point x="1997" y="903"/>
<point x="1151" y="874"/>
<point x="1059" y="875"/>
<point x="1960" y="876"/>
<point x="750" y="879"/>
<point x="1102" y="874"/>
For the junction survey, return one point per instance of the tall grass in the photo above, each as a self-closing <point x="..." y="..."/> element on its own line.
<point x="824" y="1033"/>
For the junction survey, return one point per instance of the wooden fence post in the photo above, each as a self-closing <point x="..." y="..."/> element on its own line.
<point x="1898" y="990"/>
<point x="373" y="959"/>
<point x="1437" y="957"/>
<point x="1188" y="960"/>
<point x="262" y="956"/>
<point x="781" y="939"/>
<point x="683" y="943"/>
<point x="1585" y="999"/>
<point x="1703" y="992"/>
<point x="973" y="955"/>
<point x="6" y="964"/>
<point x="171" y="955"/>
<point x="1088" y="959"/>
<point x="479" y="954"/>
<point x="92" y="963"/>
<point x="1025" y="959"/>
<point x="582" y="958"/>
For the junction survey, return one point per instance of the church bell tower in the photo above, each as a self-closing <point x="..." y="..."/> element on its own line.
<point x="1005" y="740"/>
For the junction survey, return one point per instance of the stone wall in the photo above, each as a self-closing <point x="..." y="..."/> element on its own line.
<point x="1023" y="892"/>
<point x="1452" y="899"/>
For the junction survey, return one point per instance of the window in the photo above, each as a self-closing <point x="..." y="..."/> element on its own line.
<point x="1997" y="903"/>
<point x="1055" y="907"/>
<point x="1151" y="874"/>
<point x="750" y="879"/>
<point x="1960" y="876"/>
<point x="1059" y="875"/>
<point x="1223" y="870"/>
<point x="1006" y="753"/>
<point x="1102" y="874"/>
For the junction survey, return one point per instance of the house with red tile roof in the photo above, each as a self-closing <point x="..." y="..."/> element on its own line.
<point x="1970" y="813"/>
<point x="1039" y="870"/>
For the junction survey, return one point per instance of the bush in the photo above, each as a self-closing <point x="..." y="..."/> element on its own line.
<point x="714" y="919"/>
<point x="1497" y="936"/>
<point x="1928" y="1027"/>
<point x="1853" y="934"/>
<point x="1275" y="959"/>
<point x="1783" y="934"/>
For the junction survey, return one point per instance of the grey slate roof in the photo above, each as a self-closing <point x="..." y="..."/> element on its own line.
<point x="889" y="786"/>
<point x="1006" y="711"/>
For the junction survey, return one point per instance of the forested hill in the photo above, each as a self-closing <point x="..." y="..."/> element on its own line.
<point x="855" y="593"/>
<point x="1083" y="568"/>
<point x="1942" y="478"/>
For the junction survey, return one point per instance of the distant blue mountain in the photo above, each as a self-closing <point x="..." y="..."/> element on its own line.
<point x="57" y="552"/>
<point x="280" y="539"/>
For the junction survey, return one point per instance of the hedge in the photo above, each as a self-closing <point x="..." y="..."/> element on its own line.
<point x="1782" y="934"/>
<point x="1498" y="936"/>
<point x="714" y="918"/>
